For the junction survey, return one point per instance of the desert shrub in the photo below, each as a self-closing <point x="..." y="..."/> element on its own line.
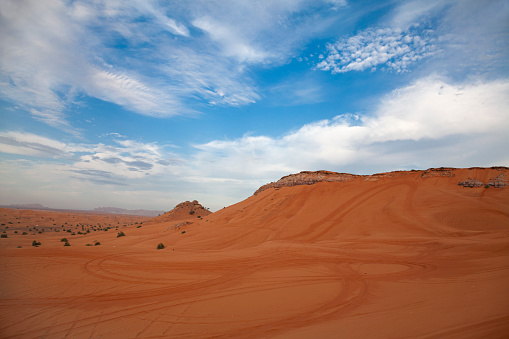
<point x="20" y="246"/>
<point x="97" y="243"/>
<point x="120" y="234"/>
<point x="486" y="186"/>
<point x="160" y="246"/>
<point x="138" y="226"/>
<point x="64" y="240"/>
<point x="191" y="212"/>
<point x="183" y="232"/>
<point x="4" y="235"/>
<point x="24" y="233"/>
<point x="36" y="243"/>
<point x="88" y="245"/>
<point x="15" y="232"/>
<point x="67" y="244"/>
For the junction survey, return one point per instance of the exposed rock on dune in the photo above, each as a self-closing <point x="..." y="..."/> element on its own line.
<point x="470" y="183"/>
<point x="307" y="178"/>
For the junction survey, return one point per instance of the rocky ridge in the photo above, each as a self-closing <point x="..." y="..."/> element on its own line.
<point x="308" y="178"/>
<point x="313" y="177"/>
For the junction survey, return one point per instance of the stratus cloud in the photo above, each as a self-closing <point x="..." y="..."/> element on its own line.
<point x="392" y="49"/>
<point x="430" y="117"/>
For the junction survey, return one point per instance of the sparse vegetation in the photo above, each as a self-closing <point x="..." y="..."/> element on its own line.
<point x="63" y="240"/>
<point x="24" y="233"/>
<point x="4" y="235"/>
<point x="120" y="234"/>
<point x="97" y="243"/>
<point x="67" y="244"/>
<point x="160" y="246"/>
<point x="36" y="243"/>
<point x="183" y="232"/>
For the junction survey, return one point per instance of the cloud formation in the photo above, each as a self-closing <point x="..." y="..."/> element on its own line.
<point x="451" y="124"/>
<point x="392" y="49"/>
<point x="152" y="58"/>
<point x="126" y="159"/>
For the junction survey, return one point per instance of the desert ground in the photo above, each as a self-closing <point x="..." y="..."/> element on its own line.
<point x="396" y="255"/>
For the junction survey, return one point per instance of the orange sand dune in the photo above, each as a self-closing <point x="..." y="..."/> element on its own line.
<point x="396" y="255"/>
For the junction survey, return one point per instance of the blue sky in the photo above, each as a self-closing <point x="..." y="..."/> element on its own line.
<point x="144" y="103"/>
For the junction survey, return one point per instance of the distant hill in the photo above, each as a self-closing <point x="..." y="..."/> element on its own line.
<point x="107" y="210"/>
<point x="116" y="210"/>
<point x="184" y="210"/>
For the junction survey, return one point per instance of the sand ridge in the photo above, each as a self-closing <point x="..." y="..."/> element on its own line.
<point x="402" y="254"/>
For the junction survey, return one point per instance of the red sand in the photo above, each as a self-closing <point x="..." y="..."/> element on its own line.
<point x="397" y="257"/>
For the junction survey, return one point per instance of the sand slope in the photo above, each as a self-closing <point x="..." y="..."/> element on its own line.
<point x="398" y="255"/>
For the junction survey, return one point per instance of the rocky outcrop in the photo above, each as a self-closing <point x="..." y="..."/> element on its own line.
<point x="308" y="178"/>
<point x="438" y="172"/>
<point x="498" y="182"/>
<point x="471" y="183"/>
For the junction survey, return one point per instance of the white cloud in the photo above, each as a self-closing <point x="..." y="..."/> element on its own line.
<point x="123" y="160"/>
<point x="233" y="44"/>
<point x="429" y="123"/>
<point x="143" y="55"/>
<point x="391" y="48"/>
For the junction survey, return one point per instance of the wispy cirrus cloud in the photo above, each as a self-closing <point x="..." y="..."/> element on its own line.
<point x="152" y="58"/>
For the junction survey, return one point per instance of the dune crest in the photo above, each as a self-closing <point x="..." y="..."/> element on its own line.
<point x="184" y="210"/>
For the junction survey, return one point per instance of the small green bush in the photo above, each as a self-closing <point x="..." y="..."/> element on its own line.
<point x="160" y="246"/>
<point x="20" y="246"/>
<point x="183" y="232"/>
<point x="88" y="245"/>
<point x="64" y="240"/>
<point x="3" y="235"/>
<point x="67" y="244"/>
<point x="120" y="234"/>
<point x="36" y="243"/>
<point x="24" y="233"/>
<point x="97" y="243"/>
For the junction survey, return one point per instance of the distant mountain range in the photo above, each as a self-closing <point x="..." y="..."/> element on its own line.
<point x="107" y="210"/>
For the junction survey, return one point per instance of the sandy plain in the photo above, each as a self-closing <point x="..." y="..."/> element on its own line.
<point x="394" y="256"/>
